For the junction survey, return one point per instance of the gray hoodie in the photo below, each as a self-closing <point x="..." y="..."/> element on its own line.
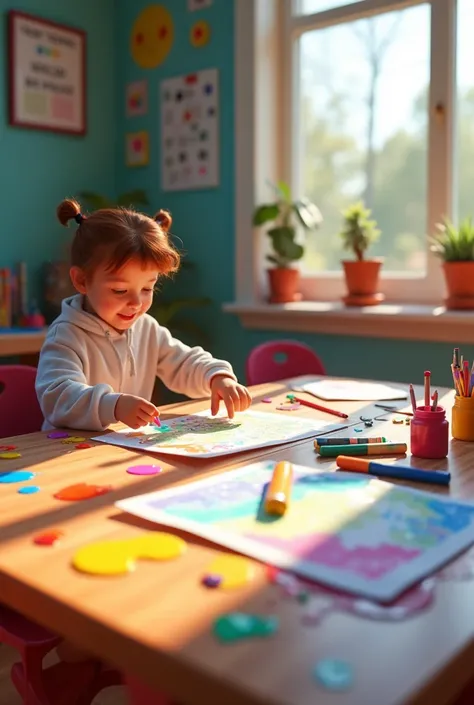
<point x="85" y="365"/>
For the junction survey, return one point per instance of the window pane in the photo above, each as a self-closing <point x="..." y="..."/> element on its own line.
<point x="308" y="7"/>
<point x="465" y="111"/>
<point x="364" y="133"/>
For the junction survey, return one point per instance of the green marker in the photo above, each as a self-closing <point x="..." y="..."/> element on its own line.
<point x="332" y="441"/>
<point x="363" y="449"/>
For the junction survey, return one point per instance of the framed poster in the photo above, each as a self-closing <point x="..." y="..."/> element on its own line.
<point x="47" y="72"/>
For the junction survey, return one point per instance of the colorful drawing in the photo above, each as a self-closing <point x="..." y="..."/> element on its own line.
<point x="137" y="148"/>
<point x="353" y="533"/>
<point x="190" y="131"/>
<point x="151" y="37"/>
<point x="136" y="101"/>
<point x="200" y="34"/>
<point x="204" y="436"/>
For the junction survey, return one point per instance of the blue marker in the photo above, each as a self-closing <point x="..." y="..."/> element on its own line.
<point x="400" y="472"/>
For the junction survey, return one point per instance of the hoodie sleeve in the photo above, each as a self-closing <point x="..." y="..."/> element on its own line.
<point x="66" y="400"/>
<point x="187" y="370"/>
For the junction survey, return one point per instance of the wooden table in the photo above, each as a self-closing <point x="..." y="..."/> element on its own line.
<point x="156" y="622"/>
<point x="26" y="344"/>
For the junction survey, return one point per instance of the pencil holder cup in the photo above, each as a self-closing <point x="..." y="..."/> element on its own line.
<point x="429" y="433"/>
<point x="462" y="418"/>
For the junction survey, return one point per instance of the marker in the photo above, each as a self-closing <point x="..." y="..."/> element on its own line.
<point x="331" y="441"/>
<point x="156" y="421"/>
<point x="364" y="449"/>
<point x="401" y="472"/>
<point x="278" y="493"/>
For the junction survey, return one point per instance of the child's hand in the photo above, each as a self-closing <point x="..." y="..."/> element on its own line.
<point x="134" y="411"/>
<point x="235" y="396"/>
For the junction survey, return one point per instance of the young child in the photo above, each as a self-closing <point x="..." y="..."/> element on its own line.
<point x="102" y="354"/>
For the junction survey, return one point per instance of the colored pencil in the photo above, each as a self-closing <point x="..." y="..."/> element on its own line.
<point x="412" y="398"/>
<point x="427" y="389"/>
<point x="318" y="407"/>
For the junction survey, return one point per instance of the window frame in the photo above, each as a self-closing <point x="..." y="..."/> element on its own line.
<point x="267" y="113"/>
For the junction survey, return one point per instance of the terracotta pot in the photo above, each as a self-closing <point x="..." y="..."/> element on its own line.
<point x="459" y="277"/>
<point x="362" y="281"/>
<point x="284" y="285"/>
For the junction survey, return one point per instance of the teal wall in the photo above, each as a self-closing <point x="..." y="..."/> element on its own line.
<point x="38" y="169"/>
<point x="205" y="221"/>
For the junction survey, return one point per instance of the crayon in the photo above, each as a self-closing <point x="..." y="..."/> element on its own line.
<point x="364" y="449"/>
<point x="156" y="421"/>
<point x="278" y="493"/>
<point x="401" y="472"/>
<point x="331" y="441"/>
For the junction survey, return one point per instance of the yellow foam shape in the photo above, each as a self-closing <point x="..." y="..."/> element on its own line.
<point x="10" y="455"/>
<point x="119" y="557"/>
<point x="235" y="571"/>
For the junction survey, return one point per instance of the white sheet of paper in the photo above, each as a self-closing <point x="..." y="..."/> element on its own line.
<point x="352" y="390"/>
<point x="202" y="436"/>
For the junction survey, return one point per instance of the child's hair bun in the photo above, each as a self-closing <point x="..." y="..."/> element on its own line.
<point x="164" y="220"/>
<point x="67" y="210"/>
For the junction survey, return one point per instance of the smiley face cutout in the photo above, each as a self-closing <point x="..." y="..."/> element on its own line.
<point x="151" y="37"/>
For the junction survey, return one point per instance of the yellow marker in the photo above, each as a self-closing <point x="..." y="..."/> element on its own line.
<point x="278" y="493"/>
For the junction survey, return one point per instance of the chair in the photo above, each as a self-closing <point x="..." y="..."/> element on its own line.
<point x="63" y="683"/>
<point x="19" y="407"/>
<point x="281" y="359"/>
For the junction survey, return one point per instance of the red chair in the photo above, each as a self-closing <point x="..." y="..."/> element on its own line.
<point x="19" y="407"/>
<point x="281" y="359"/>
<point x="63" y="683"/>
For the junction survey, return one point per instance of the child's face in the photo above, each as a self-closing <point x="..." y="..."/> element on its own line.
<point x="119" y="298"/>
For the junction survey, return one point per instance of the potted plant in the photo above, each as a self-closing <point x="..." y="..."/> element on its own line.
<point x="455" y="246"/>
<point x="284" y="214"/>
<point x="362" y="275"/>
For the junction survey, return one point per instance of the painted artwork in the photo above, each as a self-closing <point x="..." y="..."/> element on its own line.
<point x="200" y="34"/>
<point x="136" y="99"/>
<point x="137" y="151"/>
<point x="350" y="532"/>
<point x="201" y="435"/>
<point x="190" y="131"/>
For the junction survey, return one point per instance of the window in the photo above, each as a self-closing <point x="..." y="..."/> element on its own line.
<point x="464" y="173"/>
<point x="371" y="100"/>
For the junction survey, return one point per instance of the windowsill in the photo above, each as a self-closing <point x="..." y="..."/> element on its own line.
<point x="389" y="320"/>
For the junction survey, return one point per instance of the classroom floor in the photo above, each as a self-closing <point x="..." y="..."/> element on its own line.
<point x="9" y="696"/>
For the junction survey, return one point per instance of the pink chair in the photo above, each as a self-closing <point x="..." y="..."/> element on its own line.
<point x="19" y="407"/>
<point x="63" y="683"/>
<point x="281" y="359"/>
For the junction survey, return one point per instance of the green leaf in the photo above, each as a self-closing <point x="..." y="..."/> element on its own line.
<point x="277" y="261"/>
<point x="308" y="214"/>
<point x="265" y="213"/>
<point x="284" y="191"/>
<point x="359" y="231"/>
<point x="283" y="241"/>
<point x="133" y="198"/>
<point x="95" y="200"/>
<point x="454" y="244"/>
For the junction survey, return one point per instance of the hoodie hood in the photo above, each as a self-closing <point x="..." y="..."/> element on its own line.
<point x="72" y="311"/>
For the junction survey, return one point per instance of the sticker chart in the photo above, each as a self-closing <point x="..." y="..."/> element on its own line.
<point x="352" y="533"/>
<point x="190" y="131"/>
<point x="204" y="436"/>
<point x="351" y="390"/>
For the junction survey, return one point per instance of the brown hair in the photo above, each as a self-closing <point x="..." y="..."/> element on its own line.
<point x="117" y="235"/>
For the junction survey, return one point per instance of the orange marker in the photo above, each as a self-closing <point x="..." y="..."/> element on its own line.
<point x="278" y="493"/>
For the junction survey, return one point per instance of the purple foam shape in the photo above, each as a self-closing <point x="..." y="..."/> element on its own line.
<point x="144" y="470"/>
<point x="212" y="580"/>
<point x="58" y="434"/>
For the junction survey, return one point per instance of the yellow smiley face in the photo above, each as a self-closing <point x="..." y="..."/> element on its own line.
<point x="152" y="36"/>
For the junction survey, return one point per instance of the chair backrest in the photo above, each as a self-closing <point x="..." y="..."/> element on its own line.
<point x="279" y="359"/>
<point x="19" y="407"/>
